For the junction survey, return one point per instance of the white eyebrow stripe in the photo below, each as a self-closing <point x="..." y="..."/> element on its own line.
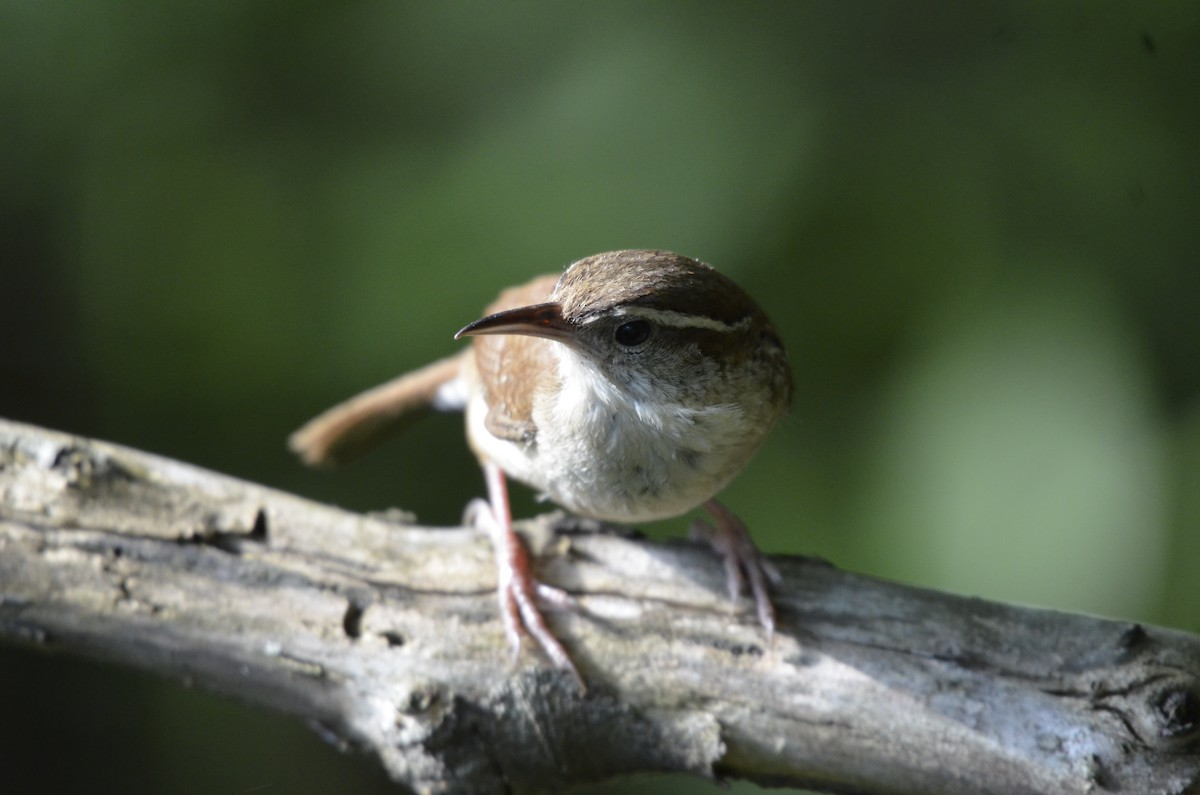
<point x="672" y="319"/>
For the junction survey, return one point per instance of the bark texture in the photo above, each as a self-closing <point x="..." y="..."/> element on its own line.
<point x="387" y="635"/>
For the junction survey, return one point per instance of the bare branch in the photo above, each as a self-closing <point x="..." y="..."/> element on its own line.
<point x="387" y="635"/>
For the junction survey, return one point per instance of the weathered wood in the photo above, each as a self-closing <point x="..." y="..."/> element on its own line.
<point x="387" y="634"/>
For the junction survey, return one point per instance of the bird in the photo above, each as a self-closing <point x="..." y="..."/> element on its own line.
<point x="632" y="387"/>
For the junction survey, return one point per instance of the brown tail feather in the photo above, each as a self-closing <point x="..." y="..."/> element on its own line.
<point x="353" y="427"/>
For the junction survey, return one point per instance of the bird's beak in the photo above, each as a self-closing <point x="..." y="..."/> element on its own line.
<point x="539" y="320"/>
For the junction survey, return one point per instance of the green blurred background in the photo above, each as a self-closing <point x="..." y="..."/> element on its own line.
<point x="975" y="224"/>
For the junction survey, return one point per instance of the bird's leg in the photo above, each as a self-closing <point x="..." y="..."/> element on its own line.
<point x="744" y="564"/>
<point x="517" y="589"/>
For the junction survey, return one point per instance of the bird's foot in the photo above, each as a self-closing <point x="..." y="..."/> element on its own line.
<point x="518" y="591"/>
<point x="745" y="565"/>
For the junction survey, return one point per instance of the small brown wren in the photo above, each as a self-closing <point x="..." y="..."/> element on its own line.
<point x="633" y="387"/>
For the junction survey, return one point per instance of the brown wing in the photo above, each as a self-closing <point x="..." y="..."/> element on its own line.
<point x="510" y="400"/>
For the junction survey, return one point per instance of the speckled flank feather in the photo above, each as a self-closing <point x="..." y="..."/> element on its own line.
<point x="510" y="406"/>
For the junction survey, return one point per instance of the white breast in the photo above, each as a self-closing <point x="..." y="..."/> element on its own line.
<point x="602" y="455"/>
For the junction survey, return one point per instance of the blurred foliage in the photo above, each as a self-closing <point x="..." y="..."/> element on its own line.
<point x="975" y="225"/>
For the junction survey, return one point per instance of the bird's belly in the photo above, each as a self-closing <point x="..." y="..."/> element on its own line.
<point x="628" y="490"/>
<point x="636" y="475"/>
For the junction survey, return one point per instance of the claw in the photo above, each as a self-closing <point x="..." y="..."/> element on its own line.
<point x="476" y="513"/>
<point x="555" y="597"/>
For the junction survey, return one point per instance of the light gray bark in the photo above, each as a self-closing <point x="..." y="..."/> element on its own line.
<point x="387" y="635"/>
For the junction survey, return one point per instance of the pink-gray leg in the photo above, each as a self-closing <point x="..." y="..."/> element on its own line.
<point x="516" y="588"/>
<point x="744" y="564"/>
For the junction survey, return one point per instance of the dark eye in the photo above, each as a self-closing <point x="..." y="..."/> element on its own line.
<point x="634" y="332"/>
